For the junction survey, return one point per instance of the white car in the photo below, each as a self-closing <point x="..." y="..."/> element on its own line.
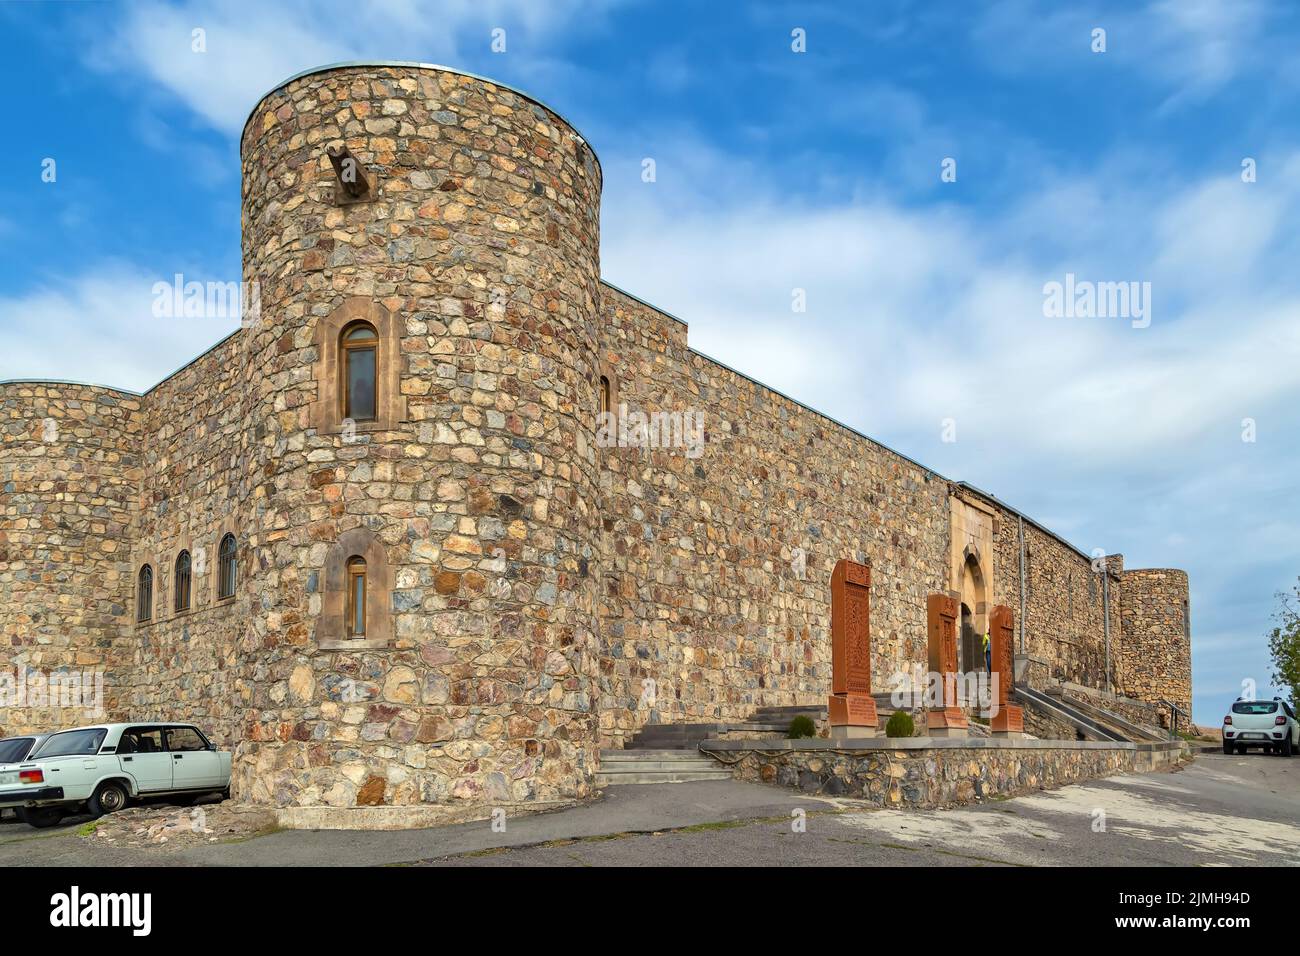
<point x="106" y="766"/>
<point x="1270" y="724"/>
<point x="15" y="750"/>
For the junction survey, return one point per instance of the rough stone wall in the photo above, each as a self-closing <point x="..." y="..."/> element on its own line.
<point x="1154" y="660"/>
<point x="68" y="469"/>
<point x="1064" y="624"/>
<point x="937" y="777"/>
<point x="483" y="245"/>
<point x="1046" y="727"/>
<point x="196" y="483"/>
<point x="700" y="591"/>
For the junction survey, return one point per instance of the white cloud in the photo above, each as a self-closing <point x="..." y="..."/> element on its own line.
<point x="99" y="327"/>
<point x="1188" y="48"/>
<point x="250" y="48"/>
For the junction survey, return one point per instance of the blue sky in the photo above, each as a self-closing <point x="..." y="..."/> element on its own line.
<point x="779" y="170"/>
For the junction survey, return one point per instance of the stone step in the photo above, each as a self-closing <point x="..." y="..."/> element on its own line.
<point x="648" y="753"/>
<point x="637" y="766"/>
<point x="605" y="779"/>
<point x="759" y="726"/>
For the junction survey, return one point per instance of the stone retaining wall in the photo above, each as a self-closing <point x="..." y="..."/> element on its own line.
<point x="925" y="773"/>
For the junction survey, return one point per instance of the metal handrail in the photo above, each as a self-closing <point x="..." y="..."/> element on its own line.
<point x="1174" y="711"/>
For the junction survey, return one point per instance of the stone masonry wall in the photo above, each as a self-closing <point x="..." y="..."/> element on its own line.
<point x="68" y="473"/>
<point x="701" y="592"/>
<point x="935" y="777"/>
<point x="1064" y="602"/>
<point x="196" y="484"/>
<point x="1154" y="659"/>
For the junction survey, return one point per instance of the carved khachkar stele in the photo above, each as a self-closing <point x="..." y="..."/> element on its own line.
<point x="851" y="703"/>
<point x="1009" y="717"/>
<point x="941" y="627"/>
<point x="851" y="628"/>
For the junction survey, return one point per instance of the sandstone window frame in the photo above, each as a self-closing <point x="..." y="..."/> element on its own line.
<point x="332" y="627"/>
<point x="328" y="412"/>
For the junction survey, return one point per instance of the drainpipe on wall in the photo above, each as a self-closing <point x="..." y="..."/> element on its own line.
<point x="1020" y="522"/>
<point x="1105" y="610"/>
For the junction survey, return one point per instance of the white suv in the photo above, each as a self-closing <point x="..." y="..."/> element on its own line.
<point x="1270" y="724"/>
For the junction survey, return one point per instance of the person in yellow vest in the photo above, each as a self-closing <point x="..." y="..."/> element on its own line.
<point x="988" y="653"/>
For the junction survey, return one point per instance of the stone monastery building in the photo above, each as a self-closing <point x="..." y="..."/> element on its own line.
<point x="370" y="540"/>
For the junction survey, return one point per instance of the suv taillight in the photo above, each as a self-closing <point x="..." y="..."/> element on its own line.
<point x="1228" y="719"/>
<point x="1280" y="720"/>
<point x="31" y="776"/>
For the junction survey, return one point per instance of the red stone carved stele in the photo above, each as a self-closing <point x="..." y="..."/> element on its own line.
<point x="941" y="621"/>
<point x="851" y="703"/>
<point x="1010" y="718"/>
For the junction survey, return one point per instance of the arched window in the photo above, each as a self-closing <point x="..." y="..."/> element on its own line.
<point x="181" y="589"/>
<point x="357" y="349"/>
<point x="356" y="601"/>
<point x="226" y="569"/>
<point x="144" y="594"/>
<point x="357" y="594"/>
<point x="605" y="397"/>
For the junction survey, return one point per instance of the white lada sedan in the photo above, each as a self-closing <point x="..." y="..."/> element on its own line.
<point x="106" y="766"/>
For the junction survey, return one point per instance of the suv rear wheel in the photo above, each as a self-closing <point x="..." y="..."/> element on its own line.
<point x="109" y="798"/>
<point x="1285" y="747"/>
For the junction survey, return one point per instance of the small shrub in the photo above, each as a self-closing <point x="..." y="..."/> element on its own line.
<point x="900" y="724"/>
<point x="802" y="726"/>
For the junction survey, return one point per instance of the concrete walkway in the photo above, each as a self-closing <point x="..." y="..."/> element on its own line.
<point x="625" y="809"/>
<point x="1222" y="810"/>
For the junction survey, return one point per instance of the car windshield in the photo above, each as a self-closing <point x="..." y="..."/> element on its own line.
<point x="72" y="743"/>
<point x="15" y="749"/>
<point x="1254" y="707"/>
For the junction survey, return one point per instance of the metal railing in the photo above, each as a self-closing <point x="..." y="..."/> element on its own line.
<point x="1174" y="711"/>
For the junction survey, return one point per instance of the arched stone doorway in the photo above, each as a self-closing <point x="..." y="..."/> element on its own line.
<point x="974" y="613"/>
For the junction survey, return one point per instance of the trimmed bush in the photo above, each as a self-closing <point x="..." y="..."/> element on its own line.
<point x="802" y="726"/>
<point x="900" y="724"/>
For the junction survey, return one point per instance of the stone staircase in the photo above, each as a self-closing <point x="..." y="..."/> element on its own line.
<point x="676" y="765"/>
<point x="669" y="753"/>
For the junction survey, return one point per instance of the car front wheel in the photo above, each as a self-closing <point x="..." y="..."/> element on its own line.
<point x="109" y="798"/>
<point x="40" y="817"/>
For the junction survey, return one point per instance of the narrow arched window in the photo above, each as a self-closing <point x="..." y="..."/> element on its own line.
<point x="356" y="604"/>
<point x="226" y="569"/>
<point x="181" y="588"/>
<point x="357" y="349"/>
<point x="144" y="594"/>
<point x="605" y="397"/>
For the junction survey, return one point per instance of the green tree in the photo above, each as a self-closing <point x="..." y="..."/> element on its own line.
<point x="1284" y="643"/>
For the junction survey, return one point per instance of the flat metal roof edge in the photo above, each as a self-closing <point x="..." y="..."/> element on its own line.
<point x="416" y="64"/>
<point x="649" y="305"/>
<point x="806" y="407"/>
<point x="207" y="351"/>
<point x="70" y="381"/>
<point x="1028" y="520"/>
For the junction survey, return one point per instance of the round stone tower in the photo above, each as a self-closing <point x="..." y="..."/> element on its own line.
<point x="456" y="220"/>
